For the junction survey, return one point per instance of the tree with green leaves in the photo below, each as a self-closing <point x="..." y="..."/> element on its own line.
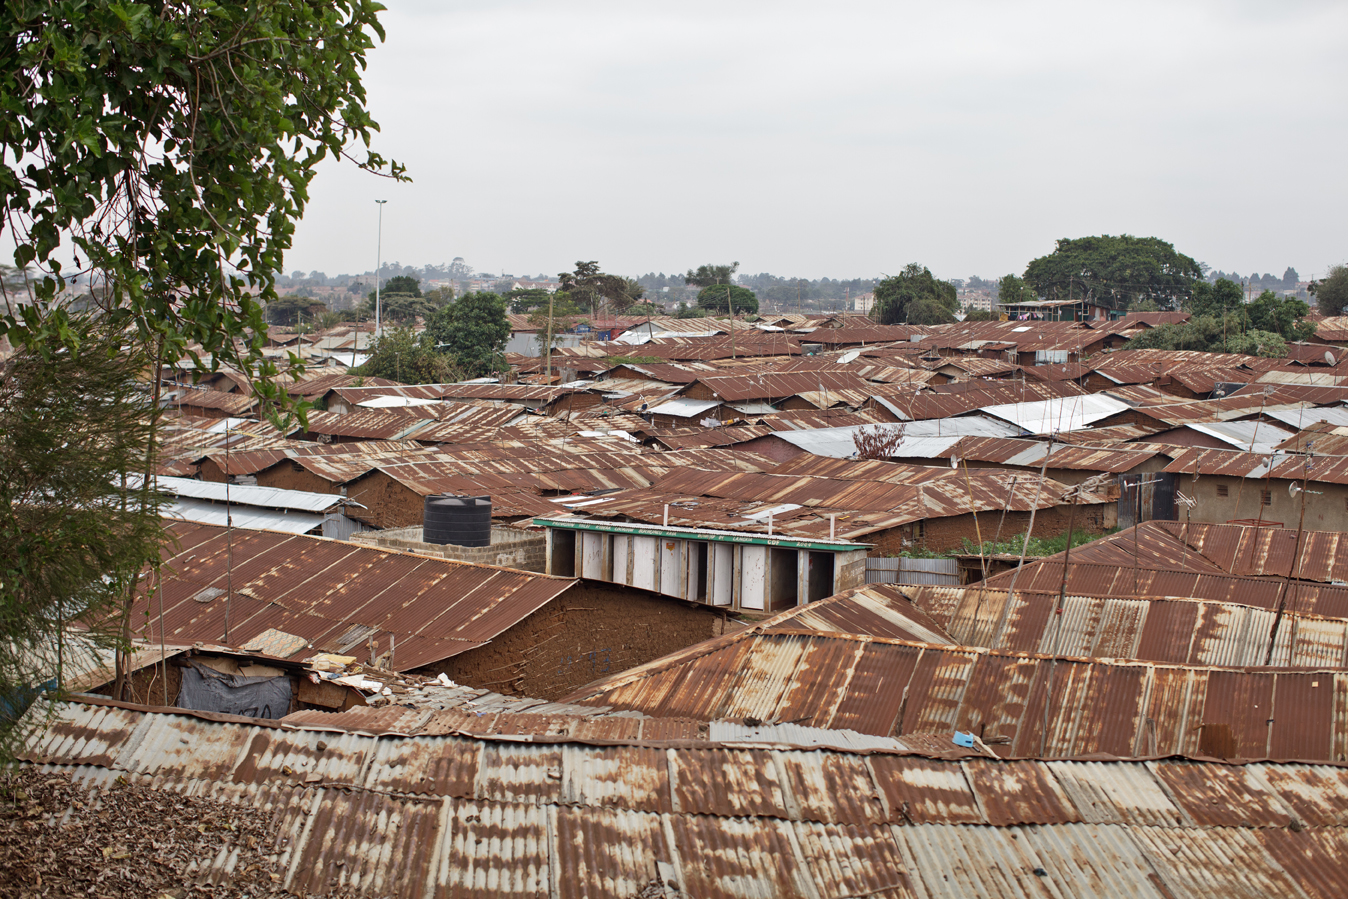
<point x="707" y="275"/>
<point x="404" y="284"/>
<point x="1220" y="298"/>
<point x="288" y="310"/>
<point x="1212" y="334"/>
<point x="598" y="291"/>
<point x="161" y="153"/>
<point x="165" y="151"/>
<point x="1331" y="291"/>
<point x="725" y="298"/>
<point x="404" y="356"/>
<point x="1012" y="289"/>
<point x="77" y="520"/>
<point x="473" y="332"/>
<point x="915" y="297"/>
<point x="524" y="300"/>
<point x="1283" y="316"/>
<point x="1115" y="272"/>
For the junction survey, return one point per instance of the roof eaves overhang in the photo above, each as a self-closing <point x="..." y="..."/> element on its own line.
<point x="680" y="533"/>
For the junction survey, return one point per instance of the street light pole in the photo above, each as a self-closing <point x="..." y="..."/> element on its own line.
<point x="378" y="264"/>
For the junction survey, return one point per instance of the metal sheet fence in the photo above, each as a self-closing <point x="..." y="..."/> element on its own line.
<point x="901" y="570"/>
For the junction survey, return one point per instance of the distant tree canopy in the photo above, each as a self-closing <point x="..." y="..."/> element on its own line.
<point x="978" y="315"/>
<point x="1013" y="289"/>
<point x="403" y="284"/>
<point x="473" y="332"/>
<point x="721" y="297"/>
<point x="1215" y="299"/>
<point x="707" y="275"/>
<point x="526" y="299"/>
<point x="1280" y="315"/>
<point x="914" y="297"/>
<point x="1331" y="291"/>
<point x="1115" y="271"/>
<point x="1223" y="324"/>
<point x="403" y="356"/>
<point x="598" y="291"/>
<point x="1206" y="334"/>
<point x="287" y="310"/>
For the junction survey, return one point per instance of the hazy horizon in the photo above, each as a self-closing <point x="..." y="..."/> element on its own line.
<point x="845" y="141"/>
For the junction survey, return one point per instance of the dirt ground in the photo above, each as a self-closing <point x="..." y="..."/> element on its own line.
<point x="130" y="841"/>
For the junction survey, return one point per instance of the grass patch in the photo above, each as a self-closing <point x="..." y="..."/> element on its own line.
<point x="1038" y="546"/>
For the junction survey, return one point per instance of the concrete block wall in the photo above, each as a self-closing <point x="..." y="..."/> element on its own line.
<point x="510" y="548"/>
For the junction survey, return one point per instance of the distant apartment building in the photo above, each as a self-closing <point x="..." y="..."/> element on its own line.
<point x="863" y="303"/>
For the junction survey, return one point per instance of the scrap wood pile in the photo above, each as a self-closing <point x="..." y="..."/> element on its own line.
<point x="59" y="839"/>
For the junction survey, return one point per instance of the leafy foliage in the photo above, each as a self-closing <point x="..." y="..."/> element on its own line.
<point x="1219" y="298"/>
<point x="1331" y="291"/>
<point x="75" y="531"/>
<point x="592" y="288"/>
<point x="707" y="275"/>
<point x="404" y="284"/>
<point x="525" y="299"/>
<point x="978" y="315"/>
<point x="169" y="147"/>
<point x="473" y="331"/>
<point x="1115" y="271"/>
<point x="1280" y="315"/>
<point x="915" y="297"/>
<point x="403" y="356"/>
<point x="1206" y="334"/>
<point x="720" y="298"/>
<point x="1037" y="546"/>
<point x="287" y="310"/>
<point x="1013" y="289"/>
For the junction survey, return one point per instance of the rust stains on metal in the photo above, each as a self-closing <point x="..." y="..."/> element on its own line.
<point x="571" y="819"/>
<point x="892" y="687"/>
<point x="327" y="591"/>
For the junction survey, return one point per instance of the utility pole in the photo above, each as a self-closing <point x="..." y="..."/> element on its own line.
<point x="378" y="264"/>
<point x="547" y="350"/>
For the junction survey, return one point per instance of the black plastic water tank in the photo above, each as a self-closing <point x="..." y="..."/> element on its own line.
<point x="460" y="520"/>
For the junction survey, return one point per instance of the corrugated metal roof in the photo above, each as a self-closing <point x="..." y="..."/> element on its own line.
<point x="202" y="511"/>
<point x="431" y="816"/>
<point x="1097" y="707"/>
<point x="840" y="443"/>
<point x="1059" y="414"/>
<point x="244" y="495"/>
<point x="1253" y="436"/>
<point x="1239" y="564"/>
<point x="1174" y="630"/>
<point x="317" y="589"/>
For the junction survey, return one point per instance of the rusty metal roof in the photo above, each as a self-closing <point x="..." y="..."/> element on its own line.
<point x="781" y="385"/>
<point x="865" y="497"/>
<point x="1174" y="630"/>
<point x="1239" y="564"/>
<point x="428" y="816"/>
<point x="878" y="610"/>
<point x="1031" y="453"/>
<point x="325" y="590"/>
<point x="892" y="687"/>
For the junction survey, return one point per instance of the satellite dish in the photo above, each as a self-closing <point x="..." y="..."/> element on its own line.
<point x="1293" y="489"/>
<point x="853" y="355"/>
<point x="1329" y="357"/>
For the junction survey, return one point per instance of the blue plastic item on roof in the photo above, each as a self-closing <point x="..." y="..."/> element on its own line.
<point x="965" y="740"/>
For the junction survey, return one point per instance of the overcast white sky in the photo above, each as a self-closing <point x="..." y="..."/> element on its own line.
<point x="846" y="139"/>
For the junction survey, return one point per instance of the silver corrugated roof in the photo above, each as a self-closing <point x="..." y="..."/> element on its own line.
<point x="241" y="495"/>
<point x="1069" y="413"/>
<point x="940" y="435"/>
<point x="1254" y="436"/>
<point x="205" y="512"/>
